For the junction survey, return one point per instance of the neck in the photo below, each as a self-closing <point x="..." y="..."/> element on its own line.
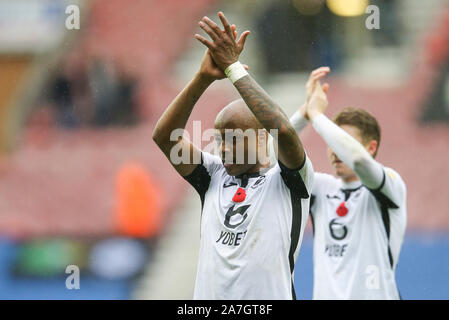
<point x="350" y="179"/>
<point x="350" y="183"/>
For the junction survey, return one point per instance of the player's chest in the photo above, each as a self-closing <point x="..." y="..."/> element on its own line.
<point x="342" y="211"/>
<point x="234" y="204"/>
<point x="232" y="191"/>
<point x="235" y="212"/>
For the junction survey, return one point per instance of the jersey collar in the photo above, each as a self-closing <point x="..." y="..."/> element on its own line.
<point x="245" y="177"/>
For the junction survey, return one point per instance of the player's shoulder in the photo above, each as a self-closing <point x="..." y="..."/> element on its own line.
<point x="298" y="180"/>
<point x="325" y="178"/>
<point x="308" y="174"/>
<point x="392" y="190"/>
<point x="393" y="174"/>
<point x="324" y="182"/>
<point x="211" y="162"/>
<point x="394" y="178"/>
<point x="210" y="157"/>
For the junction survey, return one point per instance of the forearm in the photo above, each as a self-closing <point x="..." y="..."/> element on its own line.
<point x="349" y="150"/>
<point x="271" y="116"/>
<point x="178" y="112"/>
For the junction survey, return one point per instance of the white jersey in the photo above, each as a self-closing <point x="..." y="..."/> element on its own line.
<point x="358" y="235"/>
<point x="248" y="249"/>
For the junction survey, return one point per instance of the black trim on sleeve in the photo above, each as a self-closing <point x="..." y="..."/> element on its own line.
<point x="295" y="231"/>
<point x="382" y="198"/>
<point x="382" y="183"/>
<point x="386" y="221"/>
<point x="284" y="168"/>
<point x="200" y="180"/>
<point x="385" y="204"/>
<point x="298" y="191"/>
<point x="293" y="180"/>
<point x="293" y="291"/>
<point x="312" y="202"/>
<point x="296" y="227"/>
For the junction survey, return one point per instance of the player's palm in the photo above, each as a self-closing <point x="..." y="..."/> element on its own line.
<point x="318" y="101"/>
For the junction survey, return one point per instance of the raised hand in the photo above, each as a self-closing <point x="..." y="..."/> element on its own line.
<point x="209" y="69"/>
<point x="314" y="77"/>
<point x="316" y="74"/>
<point x="224" y="48"/>
<point x="316" y="94"/>
<point x="318" y="102"/>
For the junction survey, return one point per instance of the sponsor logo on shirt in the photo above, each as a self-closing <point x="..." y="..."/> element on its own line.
<point x="259" y="182"/>
<point x="338" y="232"/>
<point x="233" y="238"/>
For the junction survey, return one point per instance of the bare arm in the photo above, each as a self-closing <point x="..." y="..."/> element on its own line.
<point x="177" y="114"/>
<point x="225" y="51"/>
<point x="175" y="117"/>
<point x="270" y="115"/>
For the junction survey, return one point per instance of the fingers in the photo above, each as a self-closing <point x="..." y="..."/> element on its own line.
<point x="325" y="87"/>
<point x="315" y="76"/>
<point x="225" y="23"/>
<point x="318" y="74"/>
<point x="213" y="26"/>
<point x="242" y="39"/>
<point x="245" y="66"/>
<point x="208" y="30"/>
<point x="204" y="41"/>
<point x="320" y="70"/>
<point x="234" y="31"/>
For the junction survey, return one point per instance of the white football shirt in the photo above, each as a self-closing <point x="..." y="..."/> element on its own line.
<point x="356" y="247"/>
<point x="248" y="249"/>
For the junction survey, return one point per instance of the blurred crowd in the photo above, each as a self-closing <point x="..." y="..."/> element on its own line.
<point x="299" y="35"/>
<point x="95" y="91"/>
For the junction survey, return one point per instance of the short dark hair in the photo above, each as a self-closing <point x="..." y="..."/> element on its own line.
<point x="363" y="120"/>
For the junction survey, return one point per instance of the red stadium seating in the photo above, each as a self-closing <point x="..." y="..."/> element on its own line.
<point x="63" y="182"/>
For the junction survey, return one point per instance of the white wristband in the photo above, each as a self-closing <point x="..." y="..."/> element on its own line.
<point x="235" y="71"/>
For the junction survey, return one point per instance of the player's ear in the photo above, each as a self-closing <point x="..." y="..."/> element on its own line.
<point x="372" y="147"/>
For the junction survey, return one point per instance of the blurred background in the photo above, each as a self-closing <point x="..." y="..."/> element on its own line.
<point x="82" y="183"/>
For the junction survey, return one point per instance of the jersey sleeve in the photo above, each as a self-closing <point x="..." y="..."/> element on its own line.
<point x="298" y="121"/>
<point x="349" y="150"/>
<point x="299" y="180"/>
<point x="201" y="176"/>
<point x="392" y="190"/>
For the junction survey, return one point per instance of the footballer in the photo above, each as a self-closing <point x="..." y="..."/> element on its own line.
<point x="359" y="217"/>
<point x="253" y="213"/>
